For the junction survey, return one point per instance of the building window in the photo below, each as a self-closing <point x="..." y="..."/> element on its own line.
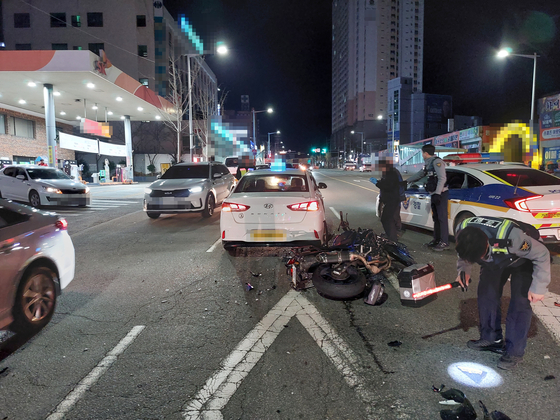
<point x="58" y="20"/>
<point x="140" y="21"/>
<point x="143" y="50"/>
<point x="22" y="47"/>
<point x="144" y="81"/>
<point x="59" y="46"/>
<point x="22" y="20"/>
<point x="95" y="19"/>
<point x="76" y="21"/>
<point x="21" y="128"/>
<point x="95" y="47"/>
<point x="2" y="124"/>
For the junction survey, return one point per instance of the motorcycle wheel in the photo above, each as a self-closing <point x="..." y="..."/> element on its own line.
<point x="331" y="286"/>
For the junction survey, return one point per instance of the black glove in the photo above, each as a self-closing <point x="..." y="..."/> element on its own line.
<point x="436" y="199"/>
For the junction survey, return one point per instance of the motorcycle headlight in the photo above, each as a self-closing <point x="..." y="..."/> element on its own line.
<point x="147" y="190"/>
<point x="195" y="190"/>
<point x="52" y="190"/>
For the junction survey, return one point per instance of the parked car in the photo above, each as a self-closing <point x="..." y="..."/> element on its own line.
<point x="366" y="167"/>
<point x="349" y="166"/>
<point x="510" y="190"/>
<point x="274" y="208"/>
<point x="42" y="186"/>
<point x="189" y="187"/>
<point x="37" y="262"/>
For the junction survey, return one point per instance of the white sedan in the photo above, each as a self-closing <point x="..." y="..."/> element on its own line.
<point x="42" y="186"/>
<point x="274" y="208"/>
<point x="37" y="260"/>
<point x="511" y="191"/>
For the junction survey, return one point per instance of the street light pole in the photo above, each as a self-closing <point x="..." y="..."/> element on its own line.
<point x="274" y="132"/>
<point x="269" y="110"/>
<point x="362" y="138"/>
<point x="504" y="53"/>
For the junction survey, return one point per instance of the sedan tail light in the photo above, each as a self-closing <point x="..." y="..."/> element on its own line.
<point x="232" y="207"/>
<point x="61" y="224"/>
<point x="520" y="204"/>
<point x="306" y="206"/>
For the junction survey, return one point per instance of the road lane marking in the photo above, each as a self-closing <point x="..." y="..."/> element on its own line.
<point x="337" y="214"/>
<point x="351" y="183"/>
<point x="87" y="382"/>
<point x="213" y="247"/>
<point x="220" y="387"/>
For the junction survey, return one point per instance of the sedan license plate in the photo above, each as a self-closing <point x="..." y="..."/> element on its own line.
<point x="264" y="235"/>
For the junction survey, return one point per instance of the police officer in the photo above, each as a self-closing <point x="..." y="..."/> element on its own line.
<point x="389" y="198"/>
<point x="434" y="168"/>
<point x="503" y="250"/>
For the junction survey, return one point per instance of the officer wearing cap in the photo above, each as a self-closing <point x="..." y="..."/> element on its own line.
<point x="503" y="250"/>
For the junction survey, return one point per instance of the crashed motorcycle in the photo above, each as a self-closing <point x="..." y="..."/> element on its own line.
<point x="356" y="263"/>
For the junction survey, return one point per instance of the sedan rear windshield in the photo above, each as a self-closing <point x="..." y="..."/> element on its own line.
<point x="47" y="174"/>
<point x="186" y="172"/>
<point x="525" y="177"/>
<point x="272" y="183"/>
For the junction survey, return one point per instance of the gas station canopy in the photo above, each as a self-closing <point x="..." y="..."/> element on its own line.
<point x="81" y="81"/>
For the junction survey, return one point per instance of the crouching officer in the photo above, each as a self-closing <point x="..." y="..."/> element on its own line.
<point x="503" y="249"/>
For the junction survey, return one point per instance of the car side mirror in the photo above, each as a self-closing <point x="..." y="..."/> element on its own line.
<point x="158" y="177"/>
<point x="21" y="177"/>
<point x="322" y="185"/>
<point x="73" y="177"/>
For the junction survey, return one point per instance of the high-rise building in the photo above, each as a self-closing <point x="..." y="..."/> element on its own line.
<point x="373" y="41"/>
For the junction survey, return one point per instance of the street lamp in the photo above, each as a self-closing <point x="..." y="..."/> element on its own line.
<point x="359" y="132"/>
<point x="274" y="132"/>
<point x="504" y="53"/>
<point x="269" y="110"/>
<point x="222" y="49"/>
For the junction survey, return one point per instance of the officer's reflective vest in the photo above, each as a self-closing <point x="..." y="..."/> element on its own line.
<point x="497" y="230"/>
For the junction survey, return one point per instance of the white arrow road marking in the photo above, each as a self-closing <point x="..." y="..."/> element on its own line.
<point x="72" y="398"/>
<point x="220" y="387"/>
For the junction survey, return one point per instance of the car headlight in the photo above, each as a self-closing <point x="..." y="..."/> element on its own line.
<point x="147" y="190"/>
<point x="195" y="190"/>
<point x="52" y="190"/>
<point x="86" y="190"/>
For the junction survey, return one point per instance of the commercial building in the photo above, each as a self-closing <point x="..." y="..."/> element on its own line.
<point x="139" y="37"/>
<point x="373" y="42"/>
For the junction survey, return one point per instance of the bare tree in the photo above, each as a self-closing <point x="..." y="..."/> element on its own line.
<point x="178" y="96"/>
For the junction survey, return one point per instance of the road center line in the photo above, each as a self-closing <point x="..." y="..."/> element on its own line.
<point x="220" y="387"/>
<point x="91" y="378"/>
<point x="213" y="247"/>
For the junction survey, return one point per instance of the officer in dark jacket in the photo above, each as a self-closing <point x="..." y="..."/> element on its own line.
<point x="389" y="198"/>
<point x="503" y="251"/>
<point x="434" y="168"/>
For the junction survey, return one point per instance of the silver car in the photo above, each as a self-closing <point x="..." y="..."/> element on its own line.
<point x="42" y="186"/>
<point x="37" y="261"/>
<point x="189" y="187"/>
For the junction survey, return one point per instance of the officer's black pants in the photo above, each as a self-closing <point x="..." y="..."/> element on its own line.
<point x="440" y="218"/>
<point x="518" y="321"/>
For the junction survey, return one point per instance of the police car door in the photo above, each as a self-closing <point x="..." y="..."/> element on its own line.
<point x="416" y="209"/>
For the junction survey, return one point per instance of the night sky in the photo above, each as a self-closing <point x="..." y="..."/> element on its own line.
<point x="280" y="55"/>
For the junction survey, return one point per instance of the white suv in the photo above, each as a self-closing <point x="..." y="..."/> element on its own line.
<point x="189" y="187"/>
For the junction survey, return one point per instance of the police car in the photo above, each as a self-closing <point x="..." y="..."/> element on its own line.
<point x="510" y="190"/>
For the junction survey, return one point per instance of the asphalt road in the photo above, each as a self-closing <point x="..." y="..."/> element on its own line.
<point x="159" y="323"/>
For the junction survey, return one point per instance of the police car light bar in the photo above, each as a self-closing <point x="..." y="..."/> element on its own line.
<point x="462" y="158"/>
